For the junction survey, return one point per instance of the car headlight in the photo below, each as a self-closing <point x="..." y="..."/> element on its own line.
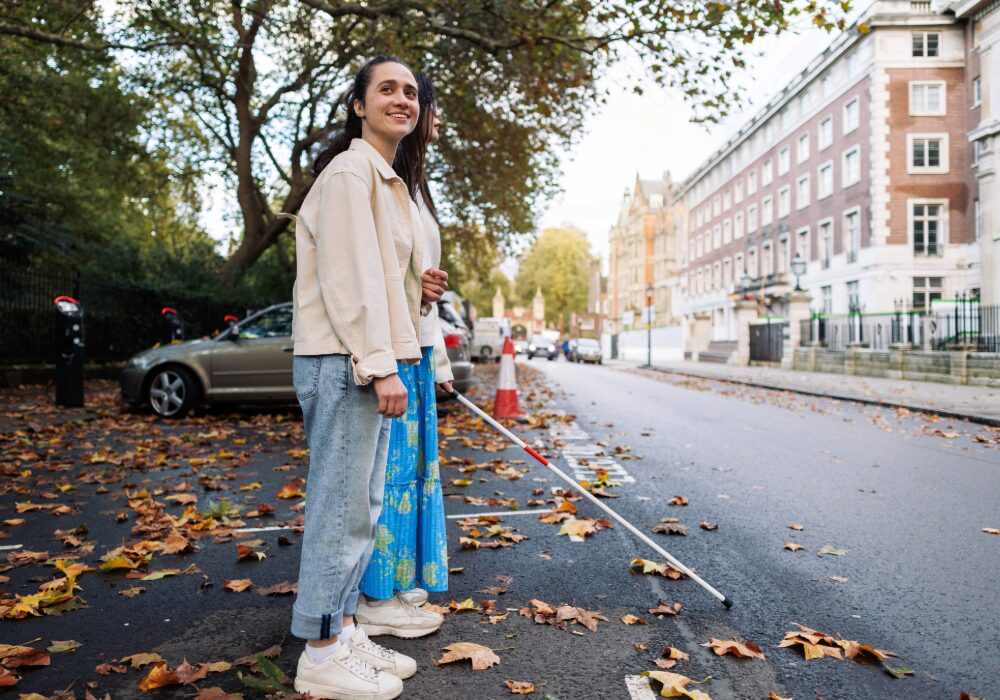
<point x="531" y="347"/>
<point x="138" y="363"/>
<point x="551" y="348"/>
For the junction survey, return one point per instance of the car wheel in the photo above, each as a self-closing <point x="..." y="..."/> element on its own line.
<point x="172" y="392"/>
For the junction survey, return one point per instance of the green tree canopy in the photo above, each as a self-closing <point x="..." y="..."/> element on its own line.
<point x="559" y="264"/>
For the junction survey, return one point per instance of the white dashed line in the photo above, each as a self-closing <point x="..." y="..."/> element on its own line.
<point x="639" y="688"/>
<point x="585" y="460"/>
<point x="502" y="514"/>
<point x="11" y="546"/>
<point x="274" y="528"/>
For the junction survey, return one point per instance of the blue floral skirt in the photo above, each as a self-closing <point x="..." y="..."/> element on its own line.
<point x="411" y="549"/>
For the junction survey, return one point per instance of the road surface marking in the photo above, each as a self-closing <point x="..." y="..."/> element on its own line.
<point x="639" y="688"/>
<point x="501" y="514"/>
<point x="585" y="460"/>
<point x="11" y="546"/>
<point x="273" y="528"/>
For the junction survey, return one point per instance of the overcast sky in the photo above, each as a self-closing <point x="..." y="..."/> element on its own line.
<point x="651" y="133"/>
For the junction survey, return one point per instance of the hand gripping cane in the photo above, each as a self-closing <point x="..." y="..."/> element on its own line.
<point x="591" y="497"/>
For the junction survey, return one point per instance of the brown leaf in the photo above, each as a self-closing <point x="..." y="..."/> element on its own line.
<point x="742" y="650"/>
<point x="678" y="501"/>
<point x="216" y="693"/>
<point x="481" y="657"/>
<point x="711" y="527"/>
<point x="105" y="669"/>
<point x="670" y="529"/>
<point x="796" y="526"/>
<point x="666" y="609"/>
<point x="140" y="660"/>
<point x="991" y="531"/>
<point x="775" y="696"/>
<point x="633" y="620"/>
<point x="292" y="490"/>
<point x="159" y="677"/>
<point x="7" y="677"/>
<point x="671" y="656"/>
<point x="284" y="588"/>
<point x="242" y="552"/>
<point x="792" y="547"/>
<point x="132" y="591"/>
<point x="520" y="687"/>
<point x="15" y="656"/>
<point x="238" y="585"/>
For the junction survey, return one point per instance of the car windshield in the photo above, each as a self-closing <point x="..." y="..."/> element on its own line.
<point x="539" y="340"/>
<point x="591" y="344"/>
<point x="276" y="323"/>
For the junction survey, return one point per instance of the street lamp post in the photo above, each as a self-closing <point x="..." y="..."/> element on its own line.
<point x="649" y="327"/>
<point x="798" y="266"/>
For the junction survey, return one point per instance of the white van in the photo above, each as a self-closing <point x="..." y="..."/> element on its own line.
<point x="487" y="338"/>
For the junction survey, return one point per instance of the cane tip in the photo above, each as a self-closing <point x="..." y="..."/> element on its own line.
<point x="728" y="603"/>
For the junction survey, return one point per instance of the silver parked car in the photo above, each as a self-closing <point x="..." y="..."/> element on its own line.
<point x="250" y="362"/>
<point x="588" y="350"/>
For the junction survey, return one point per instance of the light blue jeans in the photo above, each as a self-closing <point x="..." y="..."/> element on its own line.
<point x="348" y="444"/>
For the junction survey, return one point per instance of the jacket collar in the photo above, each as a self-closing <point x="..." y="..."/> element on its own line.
<point x="384" y="169"/>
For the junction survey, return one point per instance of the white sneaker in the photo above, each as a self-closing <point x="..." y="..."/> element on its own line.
<point x="345" y="676"/>
<point x="398" y="618"/>
<point x="414" y="596"/>
<point x="388" y="660"/>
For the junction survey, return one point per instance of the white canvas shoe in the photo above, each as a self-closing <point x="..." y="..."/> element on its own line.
<point x="398" y="618"/>
<point x="387" y="660"/>
<point x="345" y="676"/>
<point x="414" y="596"/>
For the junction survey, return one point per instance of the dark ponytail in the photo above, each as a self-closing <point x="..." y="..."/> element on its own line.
<point x="411" y="156"/>
<point x="341" y="139"/>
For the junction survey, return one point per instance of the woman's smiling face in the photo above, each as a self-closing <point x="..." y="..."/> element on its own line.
<point x="390" y="109"/>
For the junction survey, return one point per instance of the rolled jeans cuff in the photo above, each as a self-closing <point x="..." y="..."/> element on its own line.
<point x="351" y="602"/>
<point x="305" y="626"/>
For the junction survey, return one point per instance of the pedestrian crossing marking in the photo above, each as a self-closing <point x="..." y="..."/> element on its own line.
<point x="638" y="688"/>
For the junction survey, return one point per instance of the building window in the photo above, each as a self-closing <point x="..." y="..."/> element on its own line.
<point x="727" y="271"/>
<point x="716" y="237"/>
<point x="752" y="218"/>
<point x="928" y="153"/>
<point x="926" y="290"/>
<point x="784" y="201"/>
<point x="738" y="229"/>
<point x="927" y="98"/>
<point x="717" y="275"/>
<point x="727" y="200"/>
<point x="784" y="254"/>
<point x="927" y="228"/>
<point x="767" y="211"/>
<point x="824" y="183"/>
<point x="802" y="192"/>
<point x="828" y="300"/>
<point x="738" y="268"/>
<point x="852" y="115"/>
<point x="852" y="235"/>
<point x="853" y="296"/>
<point x="826" y="85"/>
<point x="825" y="244"/>
<point x="752" y="183"/>
<point x="802" y="243"/>
<point x="784" y="160"/>
<point x="926" y="44"/>
<point x="767" y="260"/>
<point x="767" y="172"/>
<point x="802" y="153"/>
<point x="977" y="92"/>
<point x="701" y="247"/>
<point x="851" y="169"/>
<point x="752" y="262"/>
<point x="716" y="205"/>
<point x="738" y="192"/>
<point x="691" y="250"/>
<point x="824" y="137"/>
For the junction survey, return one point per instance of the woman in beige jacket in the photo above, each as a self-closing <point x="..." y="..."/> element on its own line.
<point x="357" y="305"/>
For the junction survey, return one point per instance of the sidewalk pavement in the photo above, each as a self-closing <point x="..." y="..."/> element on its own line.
<point x="974" y="403"/>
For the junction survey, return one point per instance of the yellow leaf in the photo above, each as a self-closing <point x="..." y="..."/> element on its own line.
<point x="741" y="650"/>
<point x="792" y="547"/>
<point x="467" y="604"/>
<point x="140" y="660"/>
<point x="520" y="687"/>
<point x="633" y="620"/>
<point x="481" y="657"/>
<point x="159" y="677"/>
<point x="238" y="585"/>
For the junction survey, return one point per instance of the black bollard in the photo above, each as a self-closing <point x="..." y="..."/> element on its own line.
<point x="69" y="352"/>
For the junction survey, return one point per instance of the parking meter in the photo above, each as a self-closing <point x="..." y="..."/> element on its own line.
<point x="69" y="352"/>
<point x="173" y="326"/>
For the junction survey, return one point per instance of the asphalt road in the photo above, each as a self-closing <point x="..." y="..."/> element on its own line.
<point x="906" y="497"/>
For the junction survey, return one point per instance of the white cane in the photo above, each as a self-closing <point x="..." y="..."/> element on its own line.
<point x="592" y="498"/>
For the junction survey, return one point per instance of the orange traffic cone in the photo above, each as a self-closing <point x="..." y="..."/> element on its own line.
<point x="505" y="405"/>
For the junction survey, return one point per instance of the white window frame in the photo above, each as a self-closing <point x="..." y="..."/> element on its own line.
<point x="923" y="45"/>
<point x="739" y="267"/>
<point x="800" y="201"/>
<point x="803" y="148"/>
<point x="767" y="259"/>
<point x="784" y="201"/>
<point x="784" y="254"/>
<point x="943" y="231"/>
<point x="727" y="200"/>
<point x="716" y="205"/>
<point x="716" y="236"/>
<point x="767" y="211"/>
<point x="727" y="231"/>
<point x="821" y="144"/>
<point x="939" y="169"/>
<point x="846" y="234"/>
<point x="926" y="111"/>
<point x="977" y="91"/>
<point x="848" y="125"/>
<point x="767" y="173"/>
<point x="727" y="271"/>
<point x="845" y="172"/>
<point x="752" y="220"/>
<point x="738" y="226"/>
<point x="738" y="192"/>
<point x="752" y="183"/>
<point x="826" y="263"/>
<point x="798" y="240"/>
<point x="752" y="262"/>
<point x="820" y="192"/>
<point x="784" y="159"/>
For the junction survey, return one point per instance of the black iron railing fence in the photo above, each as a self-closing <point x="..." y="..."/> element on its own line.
<point x="955" y="323"/>
<point x="118" y="320"/>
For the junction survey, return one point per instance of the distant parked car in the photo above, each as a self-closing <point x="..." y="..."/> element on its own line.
<point x="541" y="346"/>
<point x="520" y="347"/>
<point x="588" y="350"/>
<point x="488" y="339"/>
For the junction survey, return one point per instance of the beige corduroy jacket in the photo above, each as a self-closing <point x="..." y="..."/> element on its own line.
<point x="358" y="250"/>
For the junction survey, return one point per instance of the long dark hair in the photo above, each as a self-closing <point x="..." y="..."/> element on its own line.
<point x="411" y="156"/>
<point x="341" y="139"/>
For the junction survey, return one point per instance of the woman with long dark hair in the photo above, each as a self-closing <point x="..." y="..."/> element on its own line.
<point x="357" y="304"/>
<point x="411" y="549"/>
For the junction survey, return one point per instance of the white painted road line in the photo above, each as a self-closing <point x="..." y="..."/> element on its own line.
<point x="11" y="546"/>
<point x="274" y="528"/>
<point x="501" y="514"/>
<point x="639" y="688"/>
